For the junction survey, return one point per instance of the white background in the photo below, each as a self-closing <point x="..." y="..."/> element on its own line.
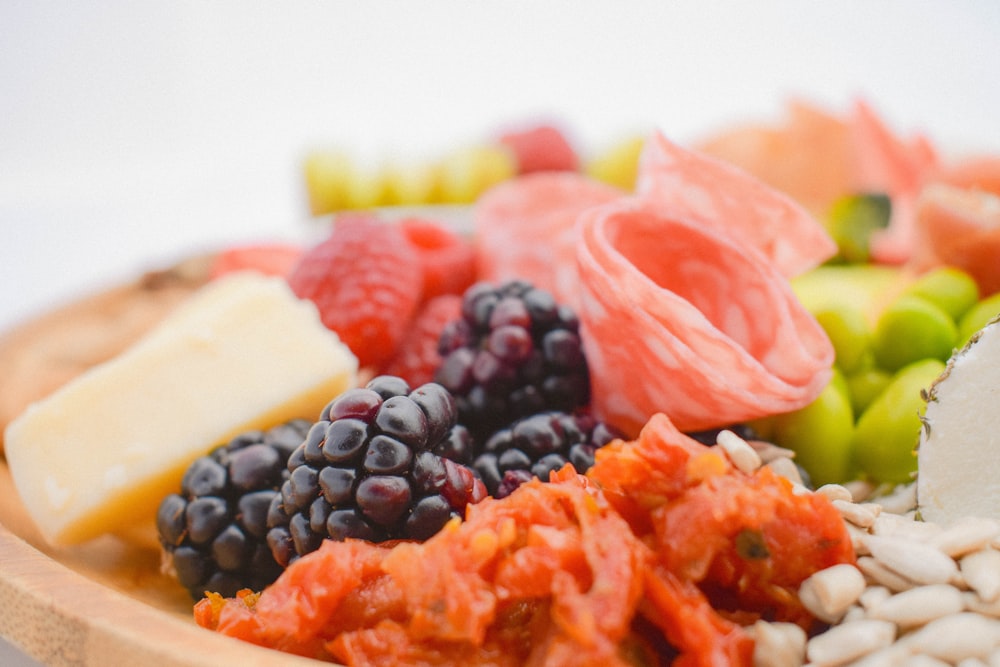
<point x="133" y="132"/>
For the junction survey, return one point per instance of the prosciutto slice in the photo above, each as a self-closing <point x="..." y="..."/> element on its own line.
<point x="720" y="196"/>
<point x="681" y="288"/>
<point x="525" y="229"/>
<point x="680" y="317"/>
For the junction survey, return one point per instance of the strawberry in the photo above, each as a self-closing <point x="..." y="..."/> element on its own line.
<point x="417" y="357"/>
<point x="541" y="148"/>
<point x="448" y="259"/>
<point x="272" y="259"/>
<point x="365" y="279"/>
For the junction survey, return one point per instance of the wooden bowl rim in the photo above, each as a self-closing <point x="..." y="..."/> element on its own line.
<point x="60" y="617"/>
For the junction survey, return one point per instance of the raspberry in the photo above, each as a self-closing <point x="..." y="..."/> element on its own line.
<point x="375" y="468"/>
<point x="448" y="259"/>
<point x="365" y="278"/>
<point x="514" y="352"/>
<point x="417" y="356"/>
<point x="541" y="148"/>
<point x="272" y="259"/>
<point x="215" y="530"/>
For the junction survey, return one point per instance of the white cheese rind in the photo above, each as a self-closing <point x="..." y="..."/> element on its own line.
<point x="959" y="451"/>
<point x="99" y="455"/>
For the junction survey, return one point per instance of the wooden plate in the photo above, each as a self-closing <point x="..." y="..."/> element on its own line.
<point x="106" y="602"/>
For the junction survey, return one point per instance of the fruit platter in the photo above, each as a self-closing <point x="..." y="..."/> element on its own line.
<point x="724" y="403"/>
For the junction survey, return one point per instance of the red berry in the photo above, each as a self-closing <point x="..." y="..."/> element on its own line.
<point x="541" y="148"/>
<point x="365" y="278"/>
<point x="272" y="259"/>
<point x="447" y="257"/>
<point x="417" y="357"/>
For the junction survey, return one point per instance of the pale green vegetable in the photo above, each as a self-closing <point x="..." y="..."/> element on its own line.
<point x="912" y="328"/>
<point x="886" y="434"/>
<point x="865" y="385"/>
<point x="852" y="221"/>
<point x="849" y="334"/>
<point x="978" y="316"/>
<point x="865" y="287"/>
<point x="951" y="289"/>
<point x="820" y="434"/>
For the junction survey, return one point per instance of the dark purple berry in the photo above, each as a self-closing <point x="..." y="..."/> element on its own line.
<point x="383" y="498"/>
<point x="401" y="418"/>
<point x="342" y="524"/>
<point x="215" y="530"/>
<point x="358" y="403"/>
<point x="343" y="440"/>
<point x="387" y="456"/>
<point x="255" y="467"/>
<point x="518" y="353"/>
<point x="205" y="477"/>
<point x="383" y="474"/>
<point x="337" y="484"/>
<point x="537" y="445"/>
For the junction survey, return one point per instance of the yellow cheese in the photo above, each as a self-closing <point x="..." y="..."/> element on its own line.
<point x="100" y="454"/>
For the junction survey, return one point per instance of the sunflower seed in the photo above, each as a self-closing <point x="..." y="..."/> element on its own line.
<point x="965" y="536"/>
<point x="743" y="456"/>
<point x="919" y="605"/>
<point x="956" y="637"/>
<point x="916" y="561"/>
<point x="787" y="469"/>
<point x="850" y="641"/>
<point x="836" y="492"/>
<point x="877" y="573"/>
<point x="828" y="594"/>
<point x="778" y="644"/>
<point x="861" y="515"/>
<point x="981" y="571"/>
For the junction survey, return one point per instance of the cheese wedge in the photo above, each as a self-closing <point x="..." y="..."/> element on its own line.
<point x="958" y="474"/>
<point x="99" y="454"/>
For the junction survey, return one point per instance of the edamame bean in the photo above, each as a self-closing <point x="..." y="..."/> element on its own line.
<point x="912" y="328"/>
<point x="820" y="434"/>
<point x="976" y="317"/>
<point x="849" y="334"/>
<point x="865" y="385"/>
<point x="886" y="434"/>
<point x="951" y="289"/>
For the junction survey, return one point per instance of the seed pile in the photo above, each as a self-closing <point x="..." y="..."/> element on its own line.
<point x="921" y="593"/>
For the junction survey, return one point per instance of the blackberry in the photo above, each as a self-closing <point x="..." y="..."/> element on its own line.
<point x="514" y="352"/>
<point x="374" y="467"/>
<point x="536" y="445"/>
<point x="215" y="530"/>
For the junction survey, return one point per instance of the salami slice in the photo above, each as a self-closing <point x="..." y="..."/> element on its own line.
<point x="524" y="229"/>
<point x="678" y="317"/>
<point x="806" y="154"/>
<point x="960" y="228"/>
<point x="718" y="195"/>
<point x="886" y="163"/>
